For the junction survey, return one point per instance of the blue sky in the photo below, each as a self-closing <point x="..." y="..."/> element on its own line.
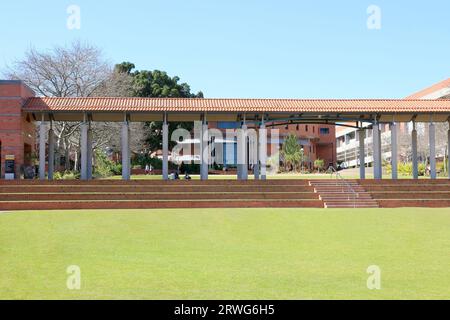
<point x="253" y="48"/>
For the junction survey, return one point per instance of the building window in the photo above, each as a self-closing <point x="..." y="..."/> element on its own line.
<point x="324" y="131"/>
<point x="306" y="128"/>
<point x="228" y="125"/>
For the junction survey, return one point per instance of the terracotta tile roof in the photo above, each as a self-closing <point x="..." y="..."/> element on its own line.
<point x="237" y="105"/>
<point x="436" y="87"/>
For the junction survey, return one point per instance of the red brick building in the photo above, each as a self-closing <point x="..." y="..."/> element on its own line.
<point x="17" y="129"/>
<point x="316" y="140"/>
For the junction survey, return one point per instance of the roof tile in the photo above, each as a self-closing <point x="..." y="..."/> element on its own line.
<point x="235" y="105"/>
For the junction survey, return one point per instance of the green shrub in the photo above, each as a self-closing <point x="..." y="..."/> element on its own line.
<point x="58" y="175"/>
<point x="66" y="175"/>
<point x="319" y="164"/>
<point x="104" y="167"/>
<point x="116" y="169"/>
<point x="141" y="160"/>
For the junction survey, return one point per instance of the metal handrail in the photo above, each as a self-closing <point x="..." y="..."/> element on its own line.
<point x="345" y="183"/>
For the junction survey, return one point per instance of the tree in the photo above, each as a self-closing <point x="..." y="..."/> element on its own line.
<point x="157" y="84"/>
<point x="77" y="70"/>
<point x="74" y="71"/>
<point x="80" y="70"/>
<point x="291" y="153"/>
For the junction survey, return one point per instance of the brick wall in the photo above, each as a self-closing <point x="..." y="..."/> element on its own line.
<point x="16" y="128"/>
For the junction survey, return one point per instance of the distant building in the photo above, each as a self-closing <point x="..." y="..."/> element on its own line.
<point x="316" y="140"/>
<point x="347" y="140"/>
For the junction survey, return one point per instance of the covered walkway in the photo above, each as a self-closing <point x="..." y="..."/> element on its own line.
<point x="260" y="113"/>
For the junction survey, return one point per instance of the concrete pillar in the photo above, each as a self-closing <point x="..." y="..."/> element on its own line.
<point x="377" y="169"/>
<point x="89" y="153"/>
<point x="125" y="150"/>
<point x="51" y="154"/>
<point x="84" y="150"/>
<point x="255" y="152"/>
<point x="362" y="154"/>
<point x="394" y="151"/>
<point x="238" y="154"/>
<point x="263" y="149"/>
<point x="432" y="136"/>
<point x="242" y="152"/>
<point x="380" y="153"/>
<point x="165" y="146"/>
<point x="204" y="159"/>
<point x="415" y="163"/>
<point x="42" y="148"/>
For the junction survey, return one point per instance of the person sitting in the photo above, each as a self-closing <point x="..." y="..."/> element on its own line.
<point x="187" y="176"/>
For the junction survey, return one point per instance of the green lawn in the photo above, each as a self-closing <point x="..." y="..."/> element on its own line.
<point x="226" y="253"/>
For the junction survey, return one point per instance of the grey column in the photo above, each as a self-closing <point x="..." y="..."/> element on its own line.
<point x="415" y="163"/>
<point x="394" y="151"/>
<point x="255" y="152"/>
<point x="42" y="133"/>
<point x="89" y="153"/>
<point x="432" y="150"/>
<point x="125" y="150"/>
<point x="205" y="150"/>
<point x="238" y="155"/>
<point x="380" y="153"/>
<point x="165" y="146"/>
<point x="362" y="154"/>
<point x="51" y="154"/>
<point x="242" y="153"/>
<point x="84" y="150"/>
<point x="263" y="150"/>
<point x="376" y="151"/>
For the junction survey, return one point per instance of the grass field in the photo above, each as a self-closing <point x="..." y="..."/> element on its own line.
<point x="226" y="253"/>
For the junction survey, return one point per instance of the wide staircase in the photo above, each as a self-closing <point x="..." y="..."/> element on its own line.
<point x="340" y="193"/>
<point x="140" y="194"/>
<point x="135" y="194"/>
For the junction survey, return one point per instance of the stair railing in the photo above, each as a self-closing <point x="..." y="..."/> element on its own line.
<point x="346" y="187"/>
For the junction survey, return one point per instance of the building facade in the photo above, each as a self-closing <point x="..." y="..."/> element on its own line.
<point x="347" y="139"/>
<point x="17" y="130"/>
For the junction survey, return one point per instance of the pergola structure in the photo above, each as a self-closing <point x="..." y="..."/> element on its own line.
<point x="259" y="112"/>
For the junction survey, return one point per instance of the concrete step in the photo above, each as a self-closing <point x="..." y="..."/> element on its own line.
<point x="157" y="196"/>
<point x="350" y="206"/>
<point x="271" y="182"/>
<point x="152" y="204"/>
<point x="397" y="203"/>
<point x="411" y="195"/>
<point x="339" y="190"/>
<point x="326" y="198"/>
<point x="351" y="202"/>
<point x="417" y="188"/>
<point x="150" y="188"/>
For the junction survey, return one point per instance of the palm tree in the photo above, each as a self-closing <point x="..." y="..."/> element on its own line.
<point x="291" y="153"/>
